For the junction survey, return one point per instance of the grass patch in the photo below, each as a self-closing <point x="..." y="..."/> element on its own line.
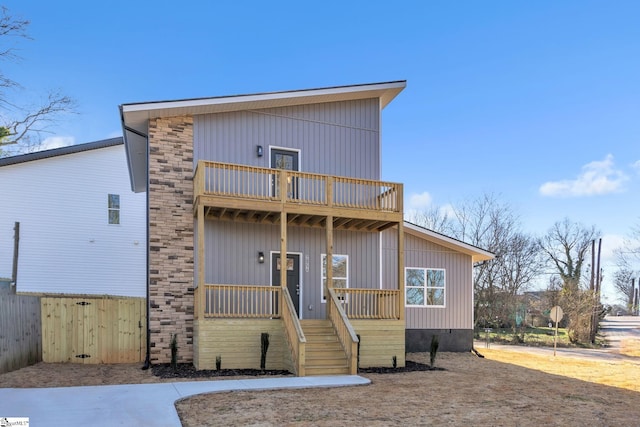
<point x="621" y="374"/>
<point x="630" y="347"/>
<point x="542" y="336"/>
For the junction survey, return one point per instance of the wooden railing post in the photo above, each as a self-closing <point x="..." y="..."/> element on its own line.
<point x="282" y="186"/>
<point x="400" y="302"/>
<point x="329" y="258"/>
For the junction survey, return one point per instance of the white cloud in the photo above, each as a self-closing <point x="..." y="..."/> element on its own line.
<point x="597" y="178"/>
<point x="417" y="203"/>
<point x="636" y="166"/>
<point x="420" y="201"/>
<point x="56" y="142"/>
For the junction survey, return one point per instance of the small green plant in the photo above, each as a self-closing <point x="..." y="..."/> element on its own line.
<point x="433" y="350"/>
<point x="264" y="341"/>
<point x="174" y="352"/>
<point x="218" y="362"/>
<point x="394" y="362"/>
<point x="358" y="358"/>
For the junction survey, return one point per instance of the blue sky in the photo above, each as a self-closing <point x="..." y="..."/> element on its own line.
<point x="537" y="102"/>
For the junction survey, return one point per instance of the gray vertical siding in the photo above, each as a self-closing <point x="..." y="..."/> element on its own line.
<point x="340" y="138"/>
<point x="232" y="248"/>
<point x="458" y="310"/>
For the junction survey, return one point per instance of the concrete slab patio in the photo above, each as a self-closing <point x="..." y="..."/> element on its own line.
<point x="135" y="404"/>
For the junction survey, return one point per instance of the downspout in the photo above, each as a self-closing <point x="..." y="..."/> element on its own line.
<point x="147" y="360"/>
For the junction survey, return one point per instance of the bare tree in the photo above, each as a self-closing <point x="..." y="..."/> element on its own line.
<point x="434" y="218"/>
<point x="491" y="224"/>
<point x="567" y="245"/>
<point x="520" y="265"/>
<point x="624" y="283"/>
<point x="20" y="124"/>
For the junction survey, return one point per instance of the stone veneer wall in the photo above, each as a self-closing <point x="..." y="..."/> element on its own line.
<point x="171" y="255"/>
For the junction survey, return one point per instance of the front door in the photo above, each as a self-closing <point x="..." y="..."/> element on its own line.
<point x="293" y="276"/>
<point x="284" y="159"/>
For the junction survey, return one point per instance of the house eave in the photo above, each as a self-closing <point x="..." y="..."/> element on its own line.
<point x="477" y="254"/>
<point x="135" y="116"/>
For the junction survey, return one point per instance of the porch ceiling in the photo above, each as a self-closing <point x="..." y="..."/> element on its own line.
<point x="297" y="219"/>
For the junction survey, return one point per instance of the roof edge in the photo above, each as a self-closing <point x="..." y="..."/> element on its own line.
<point x="155" y="105"/>
<point x="477" y="254"/>
<point x="62" y="151"/>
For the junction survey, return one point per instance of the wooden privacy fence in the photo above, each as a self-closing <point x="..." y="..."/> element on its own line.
<point x="93" y="330"/>
<point x="20" y="343"/>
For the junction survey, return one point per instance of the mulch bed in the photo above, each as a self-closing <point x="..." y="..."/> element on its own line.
<point x="410" y="366"/>
<point x="187" y="370"/>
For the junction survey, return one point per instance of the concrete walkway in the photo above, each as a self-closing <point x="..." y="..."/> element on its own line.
<point x="135" y="404"/>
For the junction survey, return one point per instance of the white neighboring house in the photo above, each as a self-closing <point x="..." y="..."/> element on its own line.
<point x="82" y="229"/>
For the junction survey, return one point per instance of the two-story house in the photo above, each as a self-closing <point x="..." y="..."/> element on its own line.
<point x="235" y="182"/>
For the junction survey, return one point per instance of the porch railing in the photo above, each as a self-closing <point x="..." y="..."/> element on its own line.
<point x="293" y="333"/>
<point x="370" y="303"/>
<point x="243" y="301"/>
<point x="239" y="181"/>
<point x="346" y="333"/>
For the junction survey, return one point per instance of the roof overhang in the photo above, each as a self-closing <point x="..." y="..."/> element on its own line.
<point x="135" y="117"/>
<point x="476" y="253"/>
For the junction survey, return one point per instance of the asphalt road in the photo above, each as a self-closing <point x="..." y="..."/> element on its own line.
<point x="619" y="328"/>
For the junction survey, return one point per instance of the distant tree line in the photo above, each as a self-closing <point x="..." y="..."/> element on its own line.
<point x="565" y="258"/>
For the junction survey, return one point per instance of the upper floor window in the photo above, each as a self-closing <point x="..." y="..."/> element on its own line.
<point x="113" y="205"/>
<point x="424" y="287"/>
<point x="340" y="269"/>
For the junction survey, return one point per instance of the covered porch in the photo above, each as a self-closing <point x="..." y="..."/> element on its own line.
<point x="230" y="317"/>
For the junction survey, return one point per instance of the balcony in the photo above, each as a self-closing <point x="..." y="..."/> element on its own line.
<point x="253" y="194"/>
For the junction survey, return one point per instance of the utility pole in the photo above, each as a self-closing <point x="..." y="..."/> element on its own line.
<point x="596" y="293"/>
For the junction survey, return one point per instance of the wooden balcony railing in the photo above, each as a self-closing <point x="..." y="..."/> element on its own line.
<point x="370" y="303"/>
<point x="242" y="301"/>
<point x="346" y="333"/>
<point x="248" y="182"/>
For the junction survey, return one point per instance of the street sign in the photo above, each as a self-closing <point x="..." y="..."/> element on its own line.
<point x="556" y="314"/>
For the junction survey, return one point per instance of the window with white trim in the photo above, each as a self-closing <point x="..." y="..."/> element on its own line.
<point x="340" y="268"/>
<point x="424" y="287"/>
<point x="113" y="207"/>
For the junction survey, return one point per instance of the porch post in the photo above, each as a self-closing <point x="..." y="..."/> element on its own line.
<point x="401" y="269"/>
<point x="201" y="300"/>
<point x="283" y="254"/>
<point x="329" y="259"/>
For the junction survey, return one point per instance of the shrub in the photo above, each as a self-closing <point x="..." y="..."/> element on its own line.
<point x="264" y="341"/>
<point x="174" y="352"/>
<point x="433" y="350"/>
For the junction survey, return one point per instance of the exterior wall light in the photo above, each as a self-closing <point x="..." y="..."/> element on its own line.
<point x="259" y="151"/>
<point x="261" y="257"/>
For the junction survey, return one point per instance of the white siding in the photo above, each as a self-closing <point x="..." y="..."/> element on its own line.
<point x="66" y="243"/>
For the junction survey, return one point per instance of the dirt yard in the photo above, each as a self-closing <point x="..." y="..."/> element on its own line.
<point x="493" y="391"/>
